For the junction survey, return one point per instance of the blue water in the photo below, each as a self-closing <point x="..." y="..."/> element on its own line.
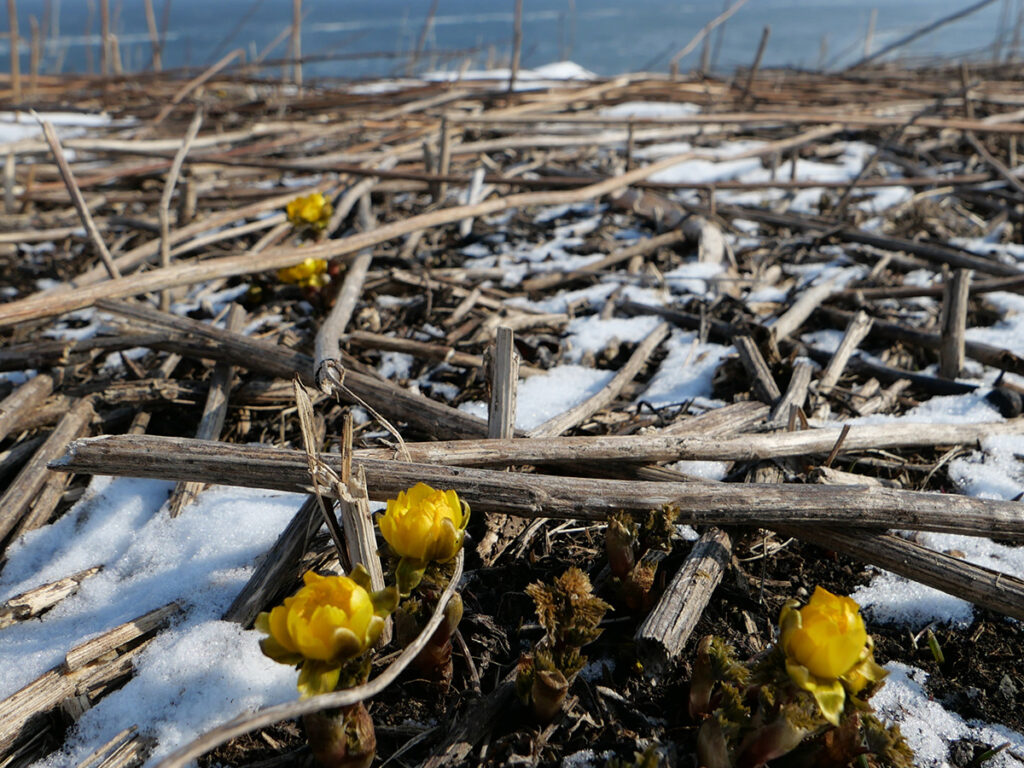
<point x="604" y="36"/>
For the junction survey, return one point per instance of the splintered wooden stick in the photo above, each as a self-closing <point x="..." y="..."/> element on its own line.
<point x="856" y="330"/>
<point x="18" y="497"/>
<point x="501" y="529"/>
<point x="662" y="635"/>
<point x="796" y="394"/>
<point x="164" y="210"/>
<point x="535" y="496"/>
<point x="215" y="411"/>
<point x="30" y="604"/>
<point x="328" y="338"/>
<point x="77" y="199"/>
<point x="954" y="323"/>
<point x="603" y="398"/>
<point x="25" y="398"/>
<point x="761" y="376"/>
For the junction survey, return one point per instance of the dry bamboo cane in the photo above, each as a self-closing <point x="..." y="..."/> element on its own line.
<point x="534" y="496"/>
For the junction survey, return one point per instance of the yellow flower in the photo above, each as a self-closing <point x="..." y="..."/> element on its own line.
<point x="330" y="620"/>
<point x="423" y="524"/>
<point x="310" y="211"/>
<point x="311" y="273"/>
<point x="828" y="650"/>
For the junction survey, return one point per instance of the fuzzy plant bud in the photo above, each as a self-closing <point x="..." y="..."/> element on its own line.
<point x="341" y="738"/>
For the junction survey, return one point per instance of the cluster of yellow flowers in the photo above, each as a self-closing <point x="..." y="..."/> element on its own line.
<point x="310" y="212"/>
<point x="335" y="619"/>
<point x="311" y="273"/>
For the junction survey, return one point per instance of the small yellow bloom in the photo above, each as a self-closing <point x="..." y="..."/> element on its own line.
<point x="830" y="636"/>
<point x="329" y="619"/>
<point x="423" y="524"/>
<point x="328" y="623"/>
<point x="827" y="649"/>
<point x="310" y="211"/>
<point x="311" y="273"/>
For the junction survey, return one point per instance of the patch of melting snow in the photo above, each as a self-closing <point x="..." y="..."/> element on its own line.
<point x="200" y="671"/>
<point x="550" y="394"/>
<point x="929" y="728"/>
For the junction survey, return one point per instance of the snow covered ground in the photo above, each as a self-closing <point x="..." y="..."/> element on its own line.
<point x="203" y="671"/>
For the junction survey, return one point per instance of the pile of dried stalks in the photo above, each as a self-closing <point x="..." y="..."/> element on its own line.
<point x="186" y="187"/>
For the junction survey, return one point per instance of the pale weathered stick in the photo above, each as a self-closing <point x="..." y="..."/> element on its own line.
<point x="796" y="394"/>
<point x="29" y="604"/>
<point x="426" y="350"/>
<point x="15" y="502"/>
<point x="76" y="198"/>
<point x="215" y="411"/>
<point x="953" y="322"/>
<point x="794" y="317"/>
<point x="194" y="83"/>
<point x="553" y="496"/>
<point x="501" y="529"/>
<point x="724" y="421"/>
<point x="661" y="636"/>
<point x="858" y="327"/>
<point x="334" y="325"/>
<point x="25" y="398"/>
<point x="164" y="210"/>
<point x="250" y="722"/>
<point x="602" y="399"/>
<point x="501" y="416"/>
<point x="761" y="376"/>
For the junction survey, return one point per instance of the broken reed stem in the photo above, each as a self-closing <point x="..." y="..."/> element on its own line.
<point x="15" y="44"/>
<point x="154" y="38"/>
<point x="215" y="411"/>
<point x="104" y="37"/>
<point x="16" y="500"/>
<point x="517" y="44"/>
<point x="953" y="321"/>
<point x="765" y="34"/>
<point x="501" y="415"/>
<point x="24" y="399"/>
<point x="673" y="64"/>
<point x="328" y="339"/>
<point x="796" y="393"/>
<point x="76" y="197"/>
<point x="194" y="83"/>
<point x="662" y="635"/>
<point x="164" y="211"/>
<point x="856" y="330"/>
<point x="757" y="369"/>
<point x="535" y="496"/>
<point x="297" y="43"/>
